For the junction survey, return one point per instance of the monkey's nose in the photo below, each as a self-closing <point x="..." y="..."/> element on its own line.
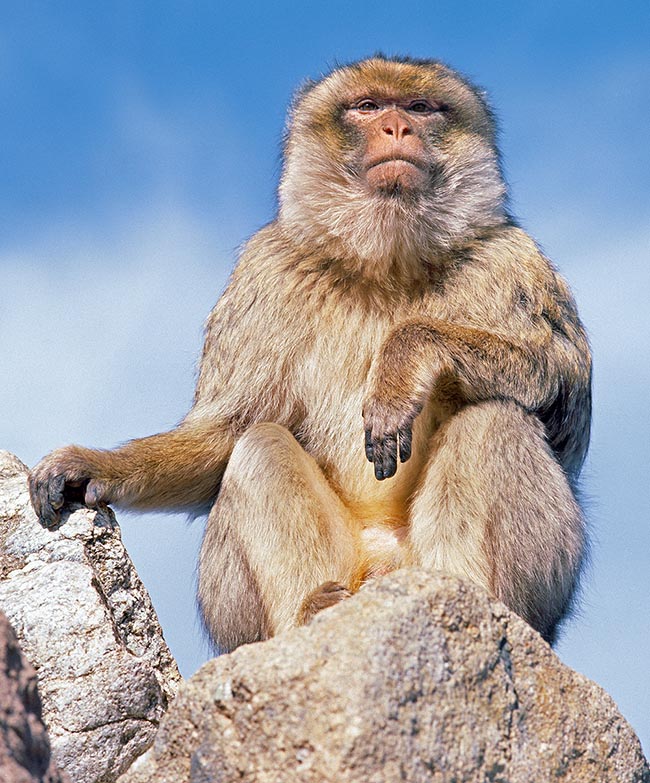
<point x="395" y="125"/>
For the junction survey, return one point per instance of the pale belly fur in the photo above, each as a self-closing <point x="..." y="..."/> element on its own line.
<point x="333" y="433"/>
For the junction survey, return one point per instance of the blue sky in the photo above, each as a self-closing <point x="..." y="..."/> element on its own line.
<point x="140" y="147"/>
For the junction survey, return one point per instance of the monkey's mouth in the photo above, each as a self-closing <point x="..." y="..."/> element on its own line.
<point x="396" y="176"/>
<point x="396" y="160"/>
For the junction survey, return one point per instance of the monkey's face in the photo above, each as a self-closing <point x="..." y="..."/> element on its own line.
<point x="392" y="134"/>
<point x="389" y="159"/>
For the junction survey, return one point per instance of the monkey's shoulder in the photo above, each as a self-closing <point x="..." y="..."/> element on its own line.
<point x="506" y="268"/>
<point x="512" y="255"/>
<point x="258" y="290"/>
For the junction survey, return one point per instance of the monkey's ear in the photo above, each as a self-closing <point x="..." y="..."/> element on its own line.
<point x="296" y="99"/>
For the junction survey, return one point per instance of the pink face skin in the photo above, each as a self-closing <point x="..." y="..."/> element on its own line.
<point x="396" y="156"/>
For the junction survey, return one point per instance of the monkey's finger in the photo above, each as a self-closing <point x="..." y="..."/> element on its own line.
<point x="405" y="443"/>
<point x="378" y="456"/>
<point x="95" y="493"/>
<point x="49" y="517"/>
<point x="390" y="456"/>
<point x="56" y="490"/>
<point x="34" y="495"/>
<point x="47" y="499"/>
<point x="369" y="448"/>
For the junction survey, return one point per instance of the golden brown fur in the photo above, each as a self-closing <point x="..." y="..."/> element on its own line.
<point x="396" y="297"/>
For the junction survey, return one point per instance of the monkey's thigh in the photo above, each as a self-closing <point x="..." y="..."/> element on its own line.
<point x="276" y="532"/>
<point x="495" y="507"/>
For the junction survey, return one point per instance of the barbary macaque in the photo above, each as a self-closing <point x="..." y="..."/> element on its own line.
<point x="395" y="375"/>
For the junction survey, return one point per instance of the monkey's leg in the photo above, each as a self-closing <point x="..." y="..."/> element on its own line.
<point x="495" y="507"/>
<point x="275" y="534"/>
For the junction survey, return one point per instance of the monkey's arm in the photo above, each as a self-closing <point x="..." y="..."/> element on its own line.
<point x="535" y="370"/>
<point x="177" y="469"/>
<point x="240" y="382"/>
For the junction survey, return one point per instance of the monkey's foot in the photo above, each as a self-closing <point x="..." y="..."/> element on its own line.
<point x="328" y="594"/>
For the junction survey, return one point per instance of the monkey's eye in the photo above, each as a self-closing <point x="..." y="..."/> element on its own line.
<point x="366" y="105"/>
<point x="420" y="107"/>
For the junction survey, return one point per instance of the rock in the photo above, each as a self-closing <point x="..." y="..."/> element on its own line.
<point x="86" y="623"/>
<point x="24" y="744"/>
<point x="416" y="678"/>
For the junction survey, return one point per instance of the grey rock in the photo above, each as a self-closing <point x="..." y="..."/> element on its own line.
<point x="418" y="677"/>
<point x="25" y="755"/>
<point x="86" y="622"/>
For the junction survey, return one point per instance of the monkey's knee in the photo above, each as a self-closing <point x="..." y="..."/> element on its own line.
<point x="535" y="535"/>
<point x="261" y="451"/>
<point x="230" y="596"/>
<point x="276" y="532"/>
<point x="497" y="507"/>
<point x="492" y="424"/>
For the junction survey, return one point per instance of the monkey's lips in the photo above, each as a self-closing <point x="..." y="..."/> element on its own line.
<point x="390" y="173"/>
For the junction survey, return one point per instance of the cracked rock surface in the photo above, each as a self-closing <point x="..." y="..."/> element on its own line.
<point x="24" y="746"/>
<point x="86" y="623"/>
<point x="416" y="678"/>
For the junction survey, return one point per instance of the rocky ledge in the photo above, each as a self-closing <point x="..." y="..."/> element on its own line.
<point x="418" y="677"/>
<point x="86" y="623"/>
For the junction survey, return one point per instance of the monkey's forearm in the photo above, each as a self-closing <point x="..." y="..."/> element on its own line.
<point x="181" y="468"/>
<point x="423" y="358"/>
<point x="481" y="365"/>
<point x="177" y="469"/>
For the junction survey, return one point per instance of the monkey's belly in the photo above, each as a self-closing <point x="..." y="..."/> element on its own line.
<point x="385" y="503"/>
<point x="379" y="511"/>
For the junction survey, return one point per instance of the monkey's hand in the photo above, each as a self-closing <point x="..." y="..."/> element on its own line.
<point x="389" y="432"/>
<point x="67" y="474"/>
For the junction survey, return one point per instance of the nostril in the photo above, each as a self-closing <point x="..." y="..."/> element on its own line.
<point x="388" y="130"/>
